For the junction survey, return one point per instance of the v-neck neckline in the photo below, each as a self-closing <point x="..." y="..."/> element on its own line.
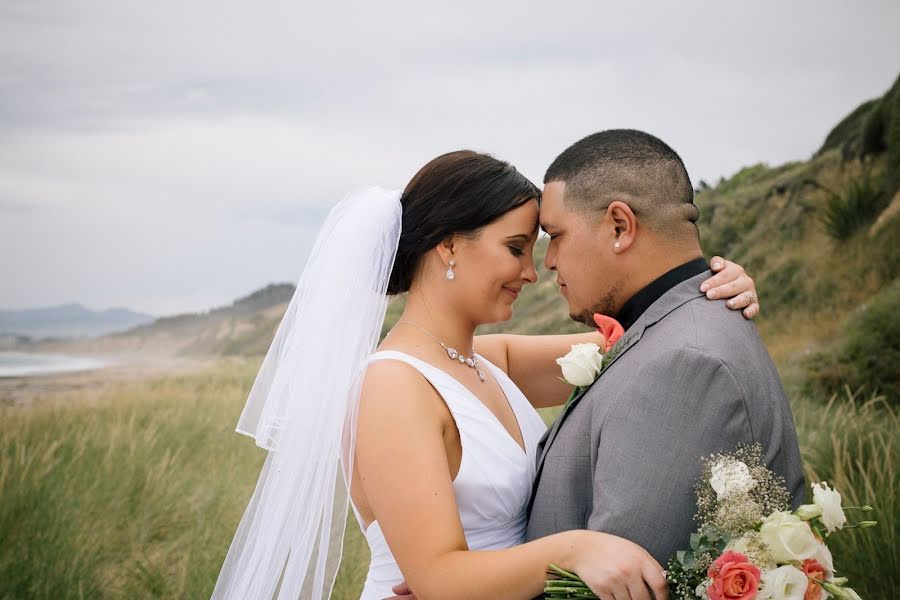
<point x="523" y="447"/>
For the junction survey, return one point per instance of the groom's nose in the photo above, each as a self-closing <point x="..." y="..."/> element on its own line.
<point x="550" y="257"/>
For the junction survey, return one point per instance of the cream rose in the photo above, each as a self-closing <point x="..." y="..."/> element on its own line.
<point x="829" y="501"/>
<point x="581" y="365"/>
<point x="783" y="583"/>
<point x="788" y="537"/>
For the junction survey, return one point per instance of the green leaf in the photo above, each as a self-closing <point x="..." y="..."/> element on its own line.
<point x="695" y="540"/>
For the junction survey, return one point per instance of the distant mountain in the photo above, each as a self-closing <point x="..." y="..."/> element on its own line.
<point x="244" y="327"/>
<point x="69" y="321"/>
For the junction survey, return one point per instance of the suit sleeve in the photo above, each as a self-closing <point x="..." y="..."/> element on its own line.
<point x="679" y="407"/>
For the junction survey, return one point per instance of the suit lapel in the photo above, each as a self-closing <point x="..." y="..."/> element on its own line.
<point x="632" y="339"/>
<point x="680" y="294"/>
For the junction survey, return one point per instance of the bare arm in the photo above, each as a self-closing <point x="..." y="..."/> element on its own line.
<point x="530" y="360"/>
<point x="400" y="433"/>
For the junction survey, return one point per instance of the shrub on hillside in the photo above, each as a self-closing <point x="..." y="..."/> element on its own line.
<point x="867" y="353"/>
<point x="885" y="249"/>
<point x="860" y="203"/>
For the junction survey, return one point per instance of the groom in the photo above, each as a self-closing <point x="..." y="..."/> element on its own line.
<point x="691" y="378"/>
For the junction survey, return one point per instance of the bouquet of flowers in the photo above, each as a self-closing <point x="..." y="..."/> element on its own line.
<point x="749" y="546"/>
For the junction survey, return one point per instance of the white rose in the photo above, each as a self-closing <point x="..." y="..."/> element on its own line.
<point x="829" y="501"/>
<point x="731" y="477"/>
<point x="783" y="583"/>
<point x="823" y="557"/>
<point x="581" y="365"/>
<point x="788" y="537"/>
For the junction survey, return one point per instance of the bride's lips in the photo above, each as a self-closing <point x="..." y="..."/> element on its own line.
<point x="512" y="291"/>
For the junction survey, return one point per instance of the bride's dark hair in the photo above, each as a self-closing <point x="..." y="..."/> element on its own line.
<point x="454" y="194"/>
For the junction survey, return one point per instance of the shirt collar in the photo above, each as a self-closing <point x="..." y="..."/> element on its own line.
<point x="641" y="301"/>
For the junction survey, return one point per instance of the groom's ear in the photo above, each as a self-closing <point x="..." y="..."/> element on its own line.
<point x="624" y="225"/>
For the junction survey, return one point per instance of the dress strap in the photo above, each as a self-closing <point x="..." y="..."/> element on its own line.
<point x="435" y="376"/>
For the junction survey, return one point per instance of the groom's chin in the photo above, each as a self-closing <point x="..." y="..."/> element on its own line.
<point x="583" y="318"/>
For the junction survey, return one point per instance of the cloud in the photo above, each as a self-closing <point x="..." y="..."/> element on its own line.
<point x="150" y="152"/>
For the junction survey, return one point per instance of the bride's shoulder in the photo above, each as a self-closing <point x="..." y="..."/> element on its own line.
<point x="394" y="383"/>
<point x="396" y="398"/>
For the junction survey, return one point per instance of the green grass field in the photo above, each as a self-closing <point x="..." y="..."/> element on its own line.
<point x="136" y="493"/>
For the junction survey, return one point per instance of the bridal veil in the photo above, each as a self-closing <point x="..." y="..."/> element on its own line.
<point x="302" y="407"/>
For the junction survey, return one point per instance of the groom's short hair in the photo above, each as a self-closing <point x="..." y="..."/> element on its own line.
<point x="634" y="167"/>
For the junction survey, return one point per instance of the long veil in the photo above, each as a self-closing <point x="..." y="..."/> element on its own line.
<point x="303" y="402"/>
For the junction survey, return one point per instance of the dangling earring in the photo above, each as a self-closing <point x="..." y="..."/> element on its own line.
<point x="450" y="273"/>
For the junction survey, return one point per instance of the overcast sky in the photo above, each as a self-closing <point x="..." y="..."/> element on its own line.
<point x="172" y="156"/>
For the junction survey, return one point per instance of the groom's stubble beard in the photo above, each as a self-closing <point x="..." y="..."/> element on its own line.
<point x="608" y="305"/>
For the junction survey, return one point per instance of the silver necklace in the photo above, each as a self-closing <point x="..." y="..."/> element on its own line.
<point x="453" y="353"/>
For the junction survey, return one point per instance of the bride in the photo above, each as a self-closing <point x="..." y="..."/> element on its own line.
<point x="436" y="430"/>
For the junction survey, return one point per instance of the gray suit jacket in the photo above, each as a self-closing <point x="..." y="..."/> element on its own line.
<point x="693" y="378"/>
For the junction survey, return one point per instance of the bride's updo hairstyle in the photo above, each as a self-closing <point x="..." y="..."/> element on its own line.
<point x="455" y="194"/>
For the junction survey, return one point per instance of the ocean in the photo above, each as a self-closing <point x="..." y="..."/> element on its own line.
<point x="22" y="364"/>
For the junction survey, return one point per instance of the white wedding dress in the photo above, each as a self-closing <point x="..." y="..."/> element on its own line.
<point x="495" y="476"/>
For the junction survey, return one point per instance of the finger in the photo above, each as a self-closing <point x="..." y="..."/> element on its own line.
<point x="637" y="589"/>
<point x="401" y="589"/>
<point x="728" y="290"/>
<point x="610" y="590"/>
<point x="618" y="591"/>
<point x="717" y="263"/>
<point x="655" y="579"/>
<point x="729" y="272"/>
<point x="751" y="311"/>
<point x="742" y="300"/>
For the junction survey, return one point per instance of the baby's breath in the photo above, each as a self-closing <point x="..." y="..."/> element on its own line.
<point x="754" y="548"/>
<point x="738" y="512"/>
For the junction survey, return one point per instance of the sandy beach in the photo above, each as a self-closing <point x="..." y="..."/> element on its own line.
<point x="26" y="390"/>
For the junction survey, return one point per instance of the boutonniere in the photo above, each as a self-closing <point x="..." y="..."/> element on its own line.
<point x="584" y="363"/>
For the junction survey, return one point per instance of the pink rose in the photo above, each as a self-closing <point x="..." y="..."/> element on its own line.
<point x="813" y="570"/>
<point x="610" y="328"/>
<point x="733" y="577"/>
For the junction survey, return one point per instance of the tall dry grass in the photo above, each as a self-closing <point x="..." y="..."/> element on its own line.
<point x="851" y="442"/>
<point x="133" y="494"/>
<point x="137" y="492"/>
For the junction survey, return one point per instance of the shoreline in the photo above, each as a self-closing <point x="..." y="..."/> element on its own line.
<point x="21" y="391"/>
<point x="39" y="364"/>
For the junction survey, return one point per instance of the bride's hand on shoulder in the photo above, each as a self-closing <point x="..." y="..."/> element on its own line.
<point x="615" y="568"/>
<point x="732" y="283"/>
